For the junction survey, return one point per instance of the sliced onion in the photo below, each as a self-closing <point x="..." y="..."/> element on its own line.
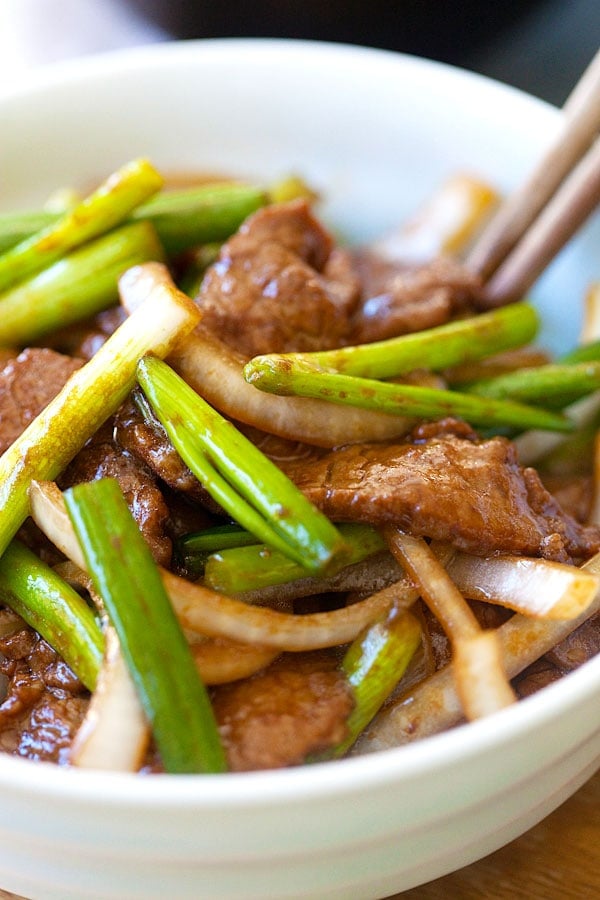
<point x="114" y="734"/>
<point x="434" y="705"/>
<point x="590" y="326"/>
<point x="220" y="661"/>
<point x="480" y="680"/>
<point x="215" y="615"/>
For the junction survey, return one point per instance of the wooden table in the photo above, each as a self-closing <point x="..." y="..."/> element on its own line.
<point x="559" y="859"/>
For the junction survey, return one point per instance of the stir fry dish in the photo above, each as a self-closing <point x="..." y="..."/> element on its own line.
<point x="267" y="500"/>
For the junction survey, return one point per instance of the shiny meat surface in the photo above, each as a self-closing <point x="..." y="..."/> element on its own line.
<point x="470" y="493"/>
<point x="27" y="384"/>
<point x="398" y="300"/>
<point x="280" y="285"/>
<point x="44" y="703"/>
<point x="296" y="707"/>
<point x="270" y="289"/>
<point x="149" y="441"/>
<point x="579" y="647"/>
<point x="102" y="458"/>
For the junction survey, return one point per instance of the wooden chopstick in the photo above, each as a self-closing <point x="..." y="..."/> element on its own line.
<point x="581" y="123"/>
<point x="574" y="201"/>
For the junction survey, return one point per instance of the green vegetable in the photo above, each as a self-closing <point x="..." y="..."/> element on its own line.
<point x="183" y="219"/>
<point x="288" y="377"/>
<point x="192" y="550"/>
<point x="249" y="568"/>
<point x="91" y="395"/>
<point x="437" y="348"/>
<point x="237" y="474"/>
<point x="56" y="611"/>
<point x="373" y="665"/>
<point x="554" y="385"/>
<point x="77" y="286"/>
<point x="109" y="205"/>
<point x="152" y="642"/>
<point x="585" y="353"/>
<point x="202" y="215"/>
<point x="16" y="227"/>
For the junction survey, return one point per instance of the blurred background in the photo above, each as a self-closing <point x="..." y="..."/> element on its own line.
<point x="541" y="46"/>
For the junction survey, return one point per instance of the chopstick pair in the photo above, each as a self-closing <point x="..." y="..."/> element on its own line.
<point x="543" y="214"/>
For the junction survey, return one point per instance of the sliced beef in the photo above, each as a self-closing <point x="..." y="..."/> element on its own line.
<point x="44" y="703"/>
<point x="296" y="707"/>
<point x="578" y="647"/>
<point x="398" y="299"/>
<point x="83" y="339"/>
<point x="470" y="493"/>
<point x="535" y="677"/>
<point x="146" y="438"/>
<point x="277" y="286"/>
<point x="149" y="441"/>
<point x="102" y="458"/>
<point x="27" y="384"/>
<point x="280" y="285"/>
<point x="574" y="494"/>
<point x="86" y="341"/>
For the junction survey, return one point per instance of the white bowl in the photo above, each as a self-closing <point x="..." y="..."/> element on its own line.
<point x="376" y="132"/>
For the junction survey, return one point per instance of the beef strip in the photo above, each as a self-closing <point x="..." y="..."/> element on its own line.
<point x="399" y="299"/>
<point x="277" y="285"/>
<point x="83" y="339"/>
<point x="573" y="493"/>
<point x="102" y="458"/>
<point x="296" y="707"/>
<point x="27" y="384"/>
<point x="44" y="703"/>
<point x="535" y="677"/>
<point x="147" y="440"/>
<point x="578" y="647"/>
<point x="471" y="493"/>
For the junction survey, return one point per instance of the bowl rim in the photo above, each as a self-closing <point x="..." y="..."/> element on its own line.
<point x="279" y="787"/>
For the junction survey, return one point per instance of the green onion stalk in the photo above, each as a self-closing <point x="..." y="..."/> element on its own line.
<point x="108" y="206"/>
<point x="192" y="550"/>
<point x="555" y="385"/>
<point x="90" y="396"/>
<point x="438" y="348"/>
<point x="158" y="656"/>
<point x="183" y="219"/>
<point x="238" y="475"/>
<point x="56" y="611"/>
<point x="81" y="284"/>
<point x="289" y="377"/>
<point x="248" y="568"/>
<point x="373" y="665"/>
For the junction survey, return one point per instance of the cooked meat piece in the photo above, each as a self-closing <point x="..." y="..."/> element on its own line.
<point x="97" y="332"/>
<point x="470" y="493"/>
<point x="277" y="287"/>
<point x="148" y="441"/>
<point x="44" y="703"/>
<point x="296" y="707"/>
<point x="83" y="339"/>
<point x="535" y="677"/>
<point x="580" y="646"/>
<point x="27" y="384"/>
<point x="399" y="300"/>
<point x="574" y="494"/>
<point x="102" y="458"/>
